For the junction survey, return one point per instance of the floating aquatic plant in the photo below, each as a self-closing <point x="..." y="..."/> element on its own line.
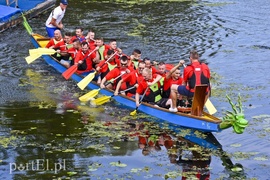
<point x="118" y="164"/>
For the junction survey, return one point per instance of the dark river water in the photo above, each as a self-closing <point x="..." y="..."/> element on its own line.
<point x="46" y="134"/>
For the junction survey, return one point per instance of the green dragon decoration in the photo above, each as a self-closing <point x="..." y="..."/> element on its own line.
<point x="235" y="118"/>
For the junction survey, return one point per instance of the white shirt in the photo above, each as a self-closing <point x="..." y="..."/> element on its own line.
<point x="57" y="14"/>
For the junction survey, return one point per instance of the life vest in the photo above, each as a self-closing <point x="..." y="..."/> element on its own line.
<point x="110" y="67"/>
<point x="136" y="64"/>
<point x="101" y="52"/>
<point x="155" y="93"/>
<point x="55" y="42"/>
<point x="68" y="46"/>
<point x="197" y="77"/>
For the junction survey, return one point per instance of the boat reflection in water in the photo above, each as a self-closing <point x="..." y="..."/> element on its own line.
<point x="189" y="149"/>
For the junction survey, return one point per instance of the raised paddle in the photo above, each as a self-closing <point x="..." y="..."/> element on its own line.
<point x="94" y="92"/>
<point x="70" y="71"/>
<point x="85" y="81"/>
<point x="133" y="113"/>
<point x="104" y="99"/>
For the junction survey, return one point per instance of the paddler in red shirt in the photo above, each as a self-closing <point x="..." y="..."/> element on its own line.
<point x="62" y="49"/>
<point x="194" y="74"/>
<point x="56" y="39"/>
<point x="79" y="35"/>
<point x="116" y="74"/>
<point x="107" y="65"/>
<point x="135" y="58"/>
<point x="149" y="65"/>
<point x="90" y="38"/>
<point x="84" y="59"/>
<point x="131" y="80"/>
<point x="153" y="94"/>
<point x="100" y="43"/>
<point x="113" y="46"/>
<point x="73" y="51"/>
<point x="172" y="77"/>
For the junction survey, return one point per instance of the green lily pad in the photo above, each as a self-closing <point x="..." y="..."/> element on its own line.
<point x="260" y="159"/>
<point x="118" y="164"/>
<point x="236" y="145"/>
<point x="71" y="173"/>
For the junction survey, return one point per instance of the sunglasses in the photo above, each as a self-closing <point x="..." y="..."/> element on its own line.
<point x="123" y="64"/>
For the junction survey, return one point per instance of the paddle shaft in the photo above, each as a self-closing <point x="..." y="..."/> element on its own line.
<point x="89" y="55"/>
<point x="124" y="90"/>
<point x="70" y="71"/>
<point x="108" y="59"/>
<point x="87" y="79"/>
<point x="127" y="89"/>
<point x="110" y="81"/>
<point x="142" y="98"/>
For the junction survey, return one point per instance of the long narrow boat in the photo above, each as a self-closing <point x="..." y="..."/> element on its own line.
<point x="205" y="122"/>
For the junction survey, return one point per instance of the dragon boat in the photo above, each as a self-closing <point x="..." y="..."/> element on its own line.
<point x="195" y="118"/>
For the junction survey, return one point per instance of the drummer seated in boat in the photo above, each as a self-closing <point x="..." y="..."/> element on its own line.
<point x="107" y="65"/>
<point x="116" y="74"/>
<point x="85" y="58"/>
<point x="153" y="93"/>
<point x="131" y="81"/>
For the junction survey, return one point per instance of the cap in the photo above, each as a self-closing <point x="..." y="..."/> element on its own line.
<point x="65" y="2"/>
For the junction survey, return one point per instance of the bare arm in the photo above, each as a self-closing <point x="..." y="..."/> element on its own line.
<point x="97" y="58"/>
<point x="102" y="83"/>
<point x="137" y="99"/>
<point x="59" y="25"/>
<point x="118" y="87"/>
<point x="157" y="79"/>
<point x="168" y="76"/>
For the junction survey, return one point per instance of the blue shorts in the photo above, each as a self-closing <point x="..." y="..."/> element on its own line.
<point x="184" y="91"/>
<point x="50" y="31"/>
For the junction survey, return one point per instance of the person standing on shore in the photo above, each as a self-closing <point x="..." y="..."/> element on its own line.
<point x="54" y="21"/>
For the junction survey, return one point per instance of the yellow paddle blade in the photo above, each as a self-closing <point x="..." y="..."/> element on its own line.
<point x="33" y="52"/>
<point x="210" y="107"/>
<point x="30" y="58"/>
<point x="133" y="113"/>
<point x="42" y="51"/>
<point x="102" y="100"/>
<point x="89" y="95"/>
<point x="85" y="81"/>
